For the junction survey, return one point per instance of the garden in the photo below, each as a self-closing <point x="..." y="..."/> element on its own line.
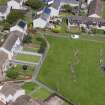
<point x="73" y="69"/>
<point x="20" y="72"/>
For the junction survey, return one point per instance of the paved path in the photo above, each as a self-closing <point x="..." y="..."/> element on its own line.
<point x="29" y="53"/>
<point x="35" y="90"/>
<point x="37" y="68"/>
<point x="22" y="62"/>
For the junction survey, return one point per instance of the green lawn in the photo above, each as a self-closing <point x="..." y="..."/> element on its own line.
<point x="28" y="58"/>
<point x="72" y="68"/>
<point x="29" y="87"/>
<point x="41" y="94"/>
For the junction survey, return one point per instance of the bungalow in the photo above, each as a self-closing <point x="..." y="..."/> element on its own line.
<point x="9" y="92"/>
<point x="20" y="26"/>
<point x="4" y="12"/>
<point x="43" y="20"/>
<point x="17" y="4"/>
<point x="86" y="22"/>
<point x="95" y="8"/>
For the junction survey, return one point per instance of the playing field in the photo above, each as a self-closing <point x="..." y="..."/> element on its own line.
<point x="72" y="67"/>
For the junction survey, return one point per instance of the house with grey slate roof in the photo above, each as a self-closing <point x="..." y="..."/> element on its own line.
<point x="95" y="8"/>
<point x="17" y="4"/>
<point x="57" y="4"/>
<point x="9" y="92"/>
<point x="43" y="20"/>
<point x="4" y="12"/>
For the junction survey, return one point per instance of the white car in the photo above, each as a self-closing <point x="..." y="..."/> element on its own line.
<point x="75" y="36"/>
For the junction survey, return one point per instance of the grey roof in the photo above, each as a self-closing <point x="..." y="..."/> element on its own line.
<point x="86" y="20"/>
<point x="27" y="100"/>
<point x="56" y="4"/>
<point x="13" y="36"/>
<point x="18" y="1"/>
<point x="3" y="8"/>
<point x="9" y="88"/>
<point x="3" y="57"/>
<point x="95" y="7"/>
<point x="70" y="1"/>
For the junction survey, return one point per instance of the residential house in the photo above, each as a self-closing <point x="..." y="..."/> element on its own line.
<point x="86" y="22"/>
<point x="70" y="2"/>
<point x="49" y="2"/>
<point x="10" y="92"/>
<point x="43" y="20"/>
<point x="13" y="42"/>
<point x="95" y="8"/>
<point x="55" y="8"/>
<point x="89" y="1"/>
<point x="20" y="26"/>
<point x="27" y="100"/>
<point x="17" y="4"/>
<point x="4" y="59"/>
<point x="4" y="12"/>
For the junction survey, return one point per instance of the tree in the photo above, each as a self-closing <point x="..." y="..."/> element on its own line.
<point x="14" y="16"/>
<point x="35" y="4"/>
<point x="13" y="74"/>
<point x="27" y="39"/>
<point x="25" y="67"/>
<point x="67" y="8"/>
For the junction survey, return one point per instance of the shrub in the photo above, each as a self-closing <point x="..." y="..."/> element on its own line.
<point x="14" y="16"/>
<point x="57" y="29"/>
<point x="13" y="74"/>
<point x="35" y="4"/>
<point x="27" y="39"/>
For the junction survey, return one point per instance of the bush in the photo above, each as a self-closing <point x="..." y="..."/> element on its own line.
<point x="13" y="74"/>
<point x="35" y="4"/>
<point x="57" y="29"/>
<point x="43" y="46"/>
<point x="27" y="39"/>
<point x="25" y="67"/>
<point x="14" y="16"/>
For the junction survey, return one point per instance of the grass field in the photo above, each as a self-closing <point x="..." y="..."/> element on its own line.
<point x="72" y="68"/>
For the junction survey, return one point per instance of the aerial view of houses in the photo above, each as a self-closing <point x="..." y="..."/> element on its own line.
<point x="52" y="52"/>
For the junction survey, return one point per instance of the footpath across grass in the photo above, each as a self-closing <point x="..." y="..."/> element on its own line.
<point x="72" y="68"/>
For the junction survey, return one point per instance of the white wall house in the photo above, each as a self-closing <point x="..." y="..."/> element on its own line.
<point x="13" y="42"/>
<point x="89" y="1"/>
<point x="72" y="3"/>
<point x="21" y="26"/>
<point x="10" y="92"/>
<point x="54" y="12"/>
<point x="39" y="23"/>
<point x="4" y="12"/>
<point x="94" y="15"/>
<point x="16" y="4"/>
<point x="43" y="20"/>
